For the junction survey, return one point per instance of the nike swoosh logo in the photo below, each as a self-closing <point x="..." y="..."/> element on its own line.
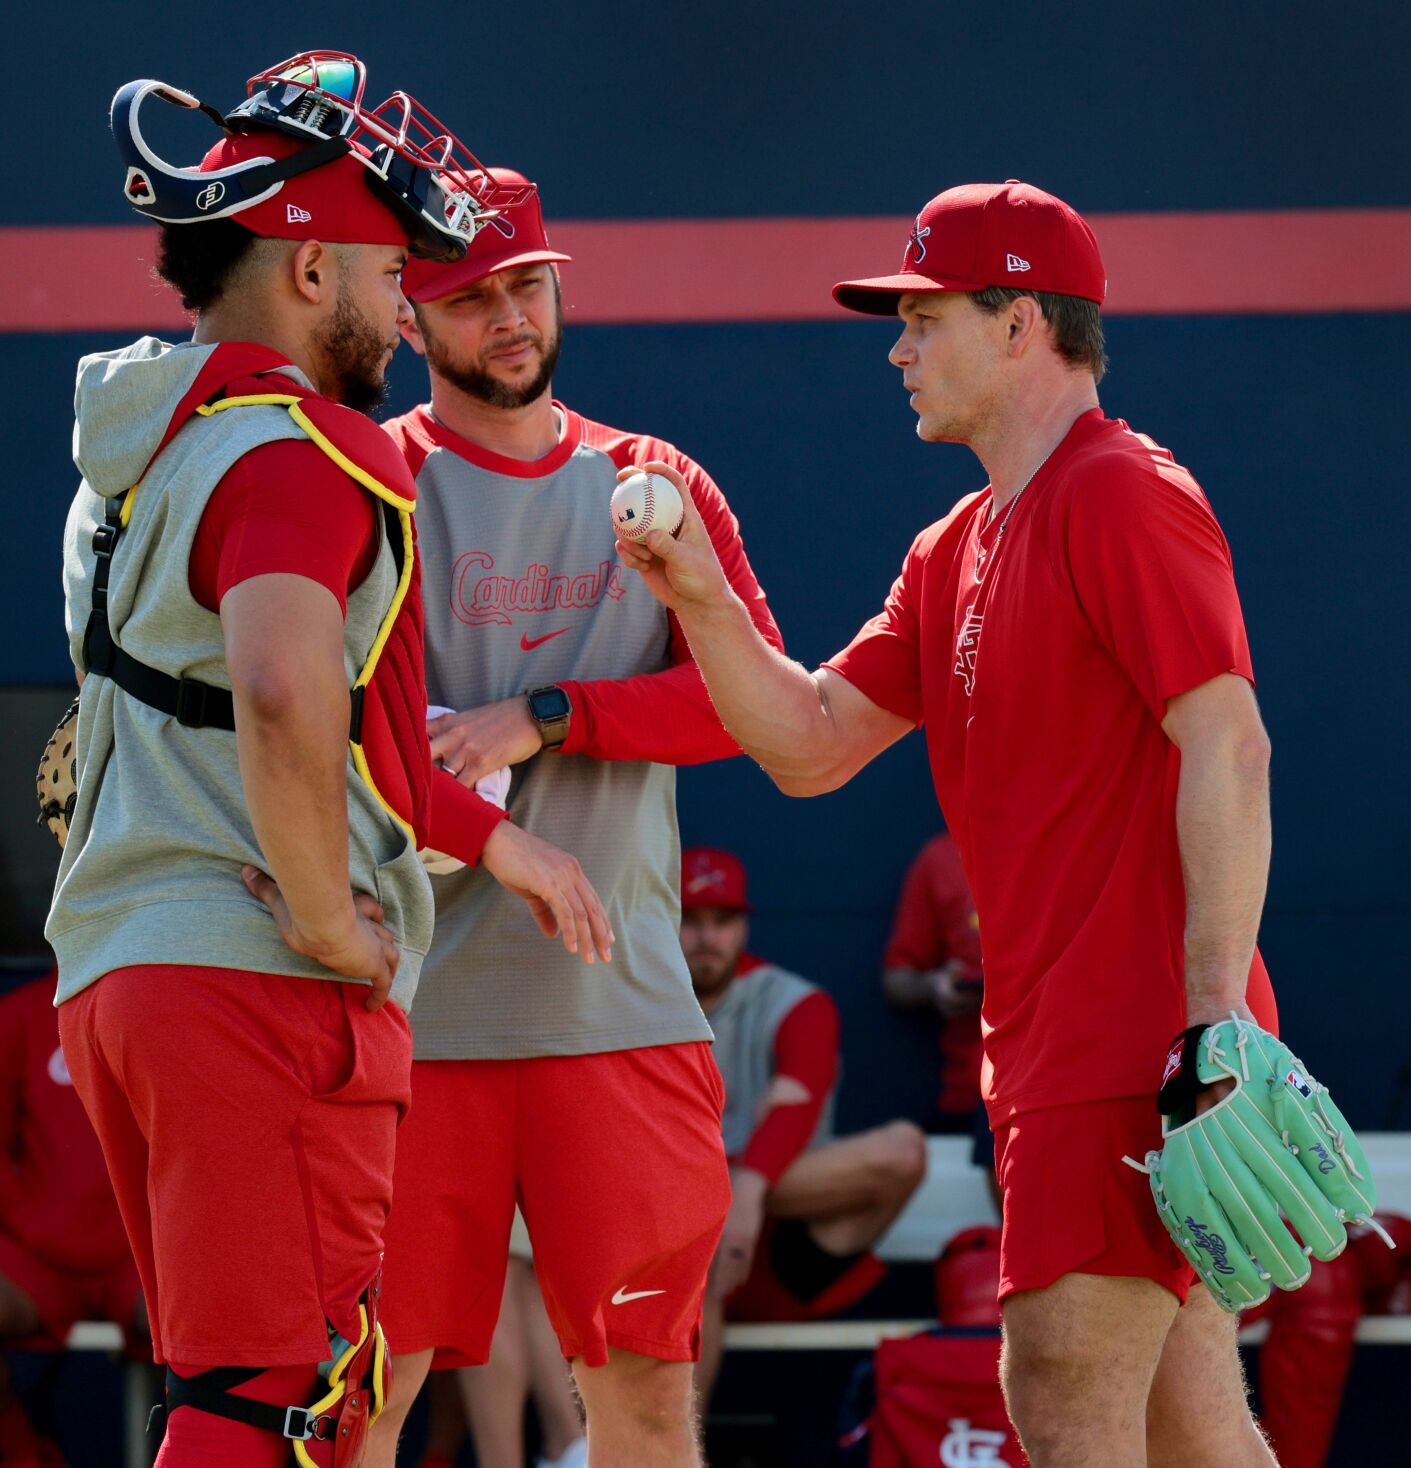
<point x="622" y="1296"/>
<point x="528" y="643"/>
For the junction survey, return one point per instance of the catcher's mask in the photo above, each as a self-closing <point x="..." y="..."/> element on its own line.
<point x="435" y="185"/>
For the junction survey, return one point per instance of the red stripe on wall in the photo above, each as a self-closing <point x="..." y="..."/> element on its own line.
<point x="663" y="270"/>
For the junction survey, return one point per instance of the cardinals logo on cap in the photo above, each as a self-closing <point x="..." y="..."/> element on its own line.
<point x="706" y="877"/>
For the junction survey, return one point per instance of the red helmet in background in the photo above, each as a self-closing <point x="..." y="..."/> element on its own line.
<point x="967" y="1278"/>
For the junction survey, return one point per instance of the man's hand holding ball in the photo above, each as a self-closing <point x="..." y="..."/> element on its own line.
<point x="679" y="565"/>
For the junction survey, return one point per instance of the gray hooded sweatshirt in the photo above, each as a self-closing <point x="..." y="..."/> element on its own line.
<point x="151" y="870"/>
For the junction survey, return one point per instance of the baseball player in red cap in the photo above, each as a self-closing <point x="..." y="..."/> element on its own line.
<point x="590" y="1097"/>
<point x="253" y="774"/>
<point x="806" y="1205"/>
<point x="1073" y="642"/>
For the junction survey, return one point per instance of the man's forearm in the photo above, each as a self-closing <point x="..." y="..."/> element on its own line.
<point x="1222" y="824"/>
<point x="293" y="764"/>
<point x="908" y="988"/>
<point x="768" y="703"/>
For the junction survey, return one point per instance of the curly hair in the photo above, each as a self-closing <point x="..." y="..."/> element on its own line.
<point x="198" y="260"/>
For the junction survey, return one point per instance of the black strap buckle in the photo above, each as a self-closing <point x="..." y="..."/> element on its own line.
<point x="191" y="702"/>
<point x="105" y="537"/>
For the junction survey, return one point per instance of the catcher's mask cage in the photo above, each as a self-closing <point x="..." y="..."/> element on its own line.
<point x="436" y="185"/>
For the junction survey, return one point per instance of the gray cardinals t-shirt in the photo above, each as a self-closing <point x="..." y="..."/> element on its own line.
<point x="522" y="587"/>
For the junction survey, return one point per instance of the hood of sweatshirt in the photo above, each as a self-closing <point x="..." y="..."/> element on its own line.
<point x="129" y="404"/>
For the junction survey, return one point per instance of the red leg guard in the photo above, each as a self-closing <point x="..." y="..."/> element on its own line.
<point x="1304" y="1363"/>
<point x="197" y="1439"/>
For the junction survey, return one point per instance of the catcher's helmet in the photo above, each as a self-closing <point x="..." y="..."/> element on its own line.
<point x="435" y="185"/>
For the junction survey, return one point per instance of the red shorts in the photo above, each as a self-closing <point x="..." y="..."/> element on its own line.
<point x="63" y="1295"/>
<point x="764" y="1296"/>
<point x="1072" y="1206"/>
<point x="617" y="1164"/>
<point x="248" y="1121"/>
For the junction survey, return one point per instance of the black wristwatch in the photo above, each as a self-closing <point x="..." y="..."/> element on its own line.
<point x="551" y="710"/>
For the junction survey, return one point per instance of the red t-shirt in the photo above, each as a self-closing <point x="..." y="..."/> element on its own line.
<point x="805" y="1050"/>
<point x="1041" y="663"/>
<point x="284" y="507"/>
<point x="936" y="923"/>
<point x="936" y="920"/>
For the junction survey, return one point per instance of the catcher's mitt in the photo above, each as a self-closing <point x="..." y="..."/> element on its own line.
<point x="56" y="782"/>
<point x="1274" y="1149"/>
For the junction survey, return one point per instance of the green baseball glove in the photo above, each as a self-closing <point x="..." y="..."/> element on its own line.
<point x="1274" y="1149"/>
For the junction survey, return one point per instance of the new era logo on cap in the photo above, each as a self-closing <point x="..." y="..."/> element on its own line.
<point x="1015" y="262"/>
<point x="293" y="214"/>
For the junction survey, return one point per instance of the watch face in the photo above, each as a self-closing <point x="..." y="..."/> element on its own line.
<point x="548" y="704"/>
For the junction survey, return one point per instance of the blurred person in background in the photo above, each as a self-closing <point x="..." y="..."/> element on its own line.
<point x="806" y="1206"/>
<point x="1304" y="1361"/>
<point x="525" y="1364"/>
<point x="932" y="961"/>
<point x="64" y="1255"/>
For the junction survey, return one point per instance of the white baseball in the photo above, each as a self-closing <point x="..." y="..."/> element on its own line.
<point x="646" y="502"/>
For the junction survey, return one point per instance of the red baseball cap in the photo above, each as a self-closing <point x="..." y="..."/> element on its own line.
<point x="712" y="878"/>
<point x="516" y="236"/>
<point x="979" y="235"/>
<point x="334" y="202"/>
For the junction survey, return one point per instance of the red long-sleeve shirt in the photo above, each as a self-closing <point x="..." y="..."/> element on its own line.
<point x="806" y="1051"/>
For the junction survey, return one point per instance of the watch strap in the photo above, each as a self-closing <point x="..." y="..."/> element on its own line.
<point x="553" y="731"/>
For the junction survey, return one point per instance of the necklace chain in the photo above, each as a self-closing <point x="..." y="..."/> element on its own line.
<point x="984" y="556"/>
<point x="1018" y="494"/>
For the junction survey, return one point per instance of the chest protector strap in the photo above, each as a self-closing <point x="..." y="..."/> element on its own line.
<point x="200" y="705"/>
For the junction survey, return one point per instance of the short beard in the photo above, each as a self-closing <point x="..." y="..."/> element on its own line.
<point x="715" y="979"/>
<point x="354" y="353"/>
<point x="488" y="388"/>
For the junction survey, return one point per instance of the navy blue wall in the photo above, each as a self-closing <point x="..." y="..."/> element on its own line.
<point x="1292" y="424"/>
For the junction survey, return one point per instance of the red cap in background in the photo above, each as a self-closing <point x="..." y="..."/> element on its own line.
<point x="514" y="237"/>
<point x="979" y="235"/>
<point x="334" y="202"/>
<point x="712" y="878"/>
